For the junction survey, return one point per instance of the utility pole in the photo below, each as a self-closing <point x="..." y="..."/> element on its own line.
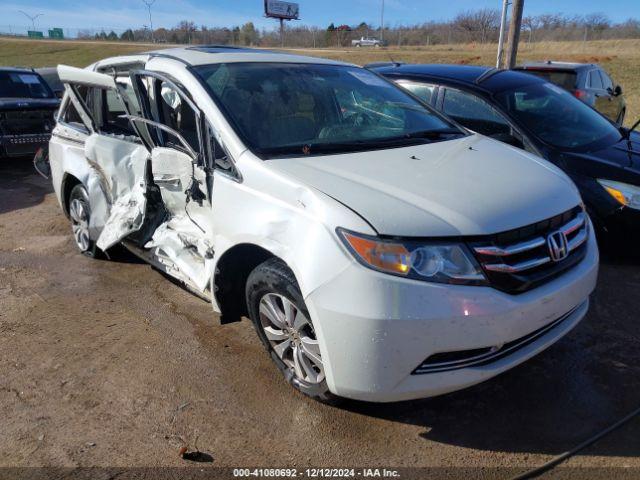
<point x="514" y="32"/>
<point x="282" y="32"/>
<point x="382" y="22"/>
<point x="32" y="18"/>
<point x="149" y="3"/>
<point x="503" y="26"/>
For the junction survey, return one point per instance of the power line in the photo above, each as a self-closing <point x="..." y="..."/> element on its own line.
<point x="32" y="18"/>
<point x="149" y="3"/>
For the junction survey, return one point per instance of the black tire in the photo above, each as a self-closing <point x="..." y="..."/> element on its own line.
<point x="274" y="277"/>
<point x="79" y="195"/>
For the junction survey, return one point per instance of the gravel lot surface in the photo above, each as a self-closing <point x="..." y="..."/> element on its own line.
<point x="107" y="363"/>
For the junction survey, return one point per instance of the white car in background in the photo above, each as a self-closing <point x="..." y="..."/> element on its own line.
<point x="382" y="252"/>
<point x="366" y="42"/>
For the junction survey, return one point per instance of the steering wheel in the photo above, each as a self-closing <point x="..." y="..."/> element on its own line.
<point x="360" y="120"/>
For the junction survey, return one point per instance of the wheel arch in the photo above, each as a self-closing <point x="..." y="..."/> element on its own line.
<point x="230" y="278"/>
<point x="68" y="182"/>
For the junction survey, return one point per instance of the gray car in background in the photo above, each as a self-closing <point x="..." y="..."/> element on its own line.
<point x="588" y="82"/>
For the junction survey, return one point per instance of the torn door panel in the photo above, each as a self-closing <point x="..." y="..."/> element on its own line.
<point x="126" y="217"/>
<point x="181" y="245"/>
<point x="100" y="201"/>
<point x="122" y="162"/>
<point x="120" y="166"/>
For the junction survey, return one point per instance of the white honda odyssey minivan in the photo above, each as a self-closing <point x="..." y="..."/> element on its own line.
<point x="382" y="252"/>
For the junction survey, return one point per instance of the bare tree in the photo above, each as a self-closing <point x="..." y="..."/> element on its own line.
<point x="531" y="24"/>
<point x="597" y="22"/>
<point x="186" y="28"/>
<point x="477" y="24"/>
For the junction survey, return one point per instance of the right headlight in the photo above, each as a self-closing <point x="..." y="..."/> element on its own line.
<point x="433" y="262"/>
<point x="625" y="194"/>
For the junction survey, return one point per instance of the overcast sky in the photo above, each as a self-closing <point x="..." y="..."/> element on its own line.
<point x="166" y="13"/>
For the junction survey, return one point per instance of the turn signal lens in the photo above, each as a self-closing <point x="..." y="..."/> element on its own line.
<point x="385" y="256"/>
<point x="624" y="193"/>
<point x="617" y="194"/>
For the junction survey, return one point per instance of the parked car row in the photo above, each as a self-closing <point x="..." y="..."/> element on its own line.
<point x="27" y="106"/>
<point x="539" y="117"/>
<point x="383" y="244"/>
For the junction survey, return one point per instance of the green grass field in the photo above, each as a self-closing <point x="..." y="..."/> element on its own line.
<point x="620" y="57"/>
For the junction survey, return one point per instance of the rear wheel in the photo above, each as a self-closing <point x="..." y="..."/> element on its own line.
<point x="80" y="215"/>
<point x="284" y="326"/>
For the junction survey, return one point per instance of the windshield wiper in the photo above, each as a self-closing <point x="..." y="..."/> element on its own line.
<point x="436" y="134"/>
<point x="341" y="147"/>
<point x="411" y="138"/>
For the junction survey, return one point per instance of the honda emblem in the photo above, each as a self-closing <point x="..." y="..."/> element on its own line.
<point x="558" y="246"/>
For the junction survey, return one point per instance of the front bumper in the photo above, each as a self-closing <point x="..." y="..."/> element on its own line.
<point x="375" y="329"/>
<point x="624" y="224"/>
<point x="22" y="145"/>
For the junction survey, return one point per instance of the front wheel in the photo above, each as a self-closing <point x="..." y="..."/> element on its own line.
<point x="284" y="326"/>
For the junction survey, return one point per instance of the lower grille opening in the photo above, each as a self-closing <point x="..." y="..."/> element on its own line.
<point x="448" y="361"/>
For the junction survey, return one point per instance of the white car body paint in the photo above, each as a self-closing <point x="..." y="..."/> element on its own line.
<point x="373" y="328"/>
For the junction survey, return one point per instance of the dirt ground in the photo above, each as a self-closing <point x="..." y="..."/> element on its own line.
<point x="107" y="363"/>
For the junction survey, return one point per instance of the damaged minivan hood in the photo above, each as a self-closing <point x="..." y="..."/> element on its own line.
<point x="468" y="186"/>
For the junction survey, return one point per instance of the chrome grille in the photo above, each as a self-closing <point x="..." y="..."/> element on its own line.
<point x="27" y="139"/>
<point x="522" y="259"/>
<point x="25" y="122"/>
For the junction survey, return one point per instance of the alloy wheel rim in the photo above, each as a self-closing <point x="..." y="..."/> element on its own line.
<point x="79" y="213"/>
<point x="292" y="337"/>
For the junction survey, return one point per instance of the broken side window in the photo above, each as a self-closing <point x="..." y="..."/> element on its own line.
<point x="221" y="160"/>
<point x="113" y="112"/>
<point x="129" y="94"/>
<point x="71" y="117"/>
<point x="107" y="110"/>
<point x="178" y="115"/>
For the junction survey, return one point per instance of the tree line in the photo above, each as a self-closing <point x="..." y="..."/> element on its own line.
<point x="473" y="26"/>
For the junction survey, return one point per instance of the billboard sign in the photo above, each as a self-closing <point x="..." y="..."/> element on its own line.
<point x="277" y="9"/>
<point x="56" y="33"/>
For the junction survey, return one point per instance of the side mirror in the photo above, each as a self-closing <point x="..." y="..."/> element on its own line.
<point x="41" y="162"/>
<point x="617" y="91"/>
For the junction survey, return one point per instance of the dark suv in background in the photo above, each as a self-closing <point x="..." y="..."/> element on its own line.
<point x="587" y="81"/>
<point x="27" y="107"/>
